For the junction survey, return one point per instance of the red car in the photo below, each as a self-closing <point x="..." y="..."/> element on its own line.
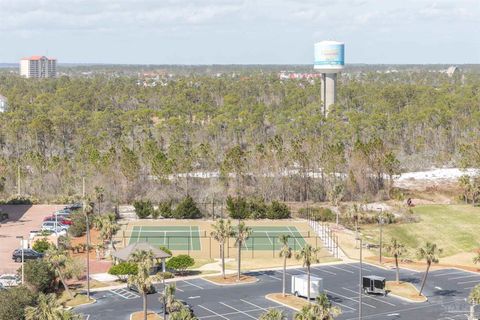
<point x="60" y="219"/>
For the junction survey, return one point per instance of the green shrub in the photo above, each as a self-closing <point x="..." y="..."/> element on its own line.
<point x="388" y="217"/>
<point x="166" y="275"/>
<point x="123" y="270"/>
<point x="14" y="301"/>
<point x="79" y="224"/>
<point x="165" y="209"/>
<point x="258" y="208"/>
<point x="39" y="275"/>
<point x="317" y="214"/>
<point x="187" y="209"/>
<point x="166" y="250"/>
<point x="237" y="208"/>
<point x="3" y="216"/>
<point x="19" y="200"/>
<point x="278" y="210"/>
<point x="143" y="208"/>
<point x="180" y="263"/>
<point x="41" y="245"/>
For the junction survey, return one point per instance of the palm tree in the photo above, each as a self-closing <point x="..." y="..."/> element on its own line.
<point x="321" y="310"/>
<point x="222" y="230"/>
<point x="108" y="227"/>
<point x="474" y="299"/>
<point x="171" y="303"/>
<point x="182" y="314"/>
<point x="142" y="280"/>
<point x="465" y="184"/>
<point x="286" y="253"/>
<point x="273" y="314"/>
<point x="395" y="249"/>
<point x="48" y="308"/>
<point x="430" y="252"/>
<point x="476" y="259"/>
<point x="242" y="235"/>
<point x="59" y="260"/>
<point x="308" y="255"/>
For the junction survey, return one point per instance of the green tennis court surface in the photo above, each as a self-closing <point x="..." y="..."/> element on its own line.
<point x="267" y="238"/>
<point x="172" y="237"/>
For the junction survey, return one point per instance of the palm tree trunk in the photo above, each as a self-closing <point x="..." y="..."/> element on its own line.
<point x="239" y="259"/>
<point x="398" y="271"/>
<point x="308" y="284"/>
<point x="64" y="284"/>
<point x="284" y="273"/>
<point x="424" y="278"/>
<point x="145" y="306"/>
<point x="222" y="257"/>
<point x="472" y="312"/>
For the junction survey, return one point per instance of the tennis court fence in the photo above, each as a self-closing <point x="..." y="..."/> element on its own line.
<point x="203" y="245"/>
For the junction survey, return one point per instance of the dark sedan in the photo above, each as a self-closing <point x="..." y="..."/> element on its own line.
<point x="28" y="254"/>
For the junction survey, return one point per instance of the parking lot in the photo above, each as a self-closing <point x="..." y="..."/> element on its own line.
<point x="445" y="289"/>
<point x="22" y="219"/>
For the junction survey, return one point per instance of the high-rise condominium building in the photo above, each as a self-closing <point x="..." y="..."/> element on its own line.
<point x="38" y="67"/>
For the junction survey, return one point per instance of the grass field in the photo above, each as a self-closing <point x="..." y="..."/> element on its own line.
<point x="454" y="228"/>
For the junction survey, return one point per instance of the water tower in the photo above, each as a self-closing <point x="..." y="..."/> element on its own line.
<point x="329" y="60"/>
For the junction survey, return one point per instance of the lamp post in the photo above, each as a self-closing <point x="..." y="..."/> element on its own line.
<point x="23" y="274"/>
<point x="380" y="221"/>
<point x="164" y="299"/>
<point x="360" y="281"/>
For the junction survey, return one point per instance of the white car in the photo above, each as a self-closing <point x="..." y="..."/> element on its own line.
<point x="9" y="280"/>
<point x="54" y="227"/>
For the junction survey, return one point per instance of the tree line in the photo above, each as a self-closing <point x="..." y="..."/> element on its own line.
<point x="251" y="135"/>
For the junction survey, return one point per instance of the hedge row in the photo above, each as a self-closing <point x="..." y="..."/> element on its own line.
<point x="241" y="208"/>
<point x="186" y="209"/>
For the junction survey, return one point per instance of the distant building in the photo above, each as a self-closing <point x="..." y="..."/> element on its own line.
<point x="3" y="103"/>
<point x="38" y="67"/>
<point x="452" y="70"/>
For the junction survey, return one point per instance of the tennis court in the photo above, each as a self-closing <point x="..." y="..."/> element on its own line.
<point x="267" y="238"/>
<point x="172" y="237"/>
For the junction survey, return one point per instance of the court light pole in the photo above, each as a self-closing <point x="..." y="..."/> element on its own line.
<point x="360" y="280"/>
<point x="23" y="259"/>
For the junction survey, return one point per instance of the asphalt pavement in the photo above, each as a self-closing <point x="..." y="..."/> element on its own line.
<point x="446" y="290"/>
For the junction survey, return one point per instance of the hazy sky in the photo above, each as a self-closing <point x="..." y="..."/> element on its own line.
<point x="240" y="31"/>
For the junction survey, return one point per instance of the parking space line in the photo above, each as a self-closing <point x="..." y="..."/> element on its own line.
<point x="370" y="297"/>
<point x="124" y="294"/>
<point x="269" y="275"/>
<point x="341" y="269"/>
<point x="211" y="311"/>
<point x="462" y="277"/>
<point x="326" y="271"/>
<point x="252" y="304"/>
<point x="226" y="305"/>
<point x="344" y="306"/>
<point x="463" y="282"/>
<point x="192" y="284"/>
<point x="447" y="273"/>
<point x="357" y="267"/>
<point x="345" y="297"/>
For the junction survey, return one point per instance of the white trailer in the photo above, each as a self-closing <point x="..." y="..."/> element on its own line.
<point x="300" y="286"/>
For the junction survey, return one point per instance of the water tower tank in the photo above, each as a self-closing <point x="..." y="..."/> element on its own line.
<point x="329" y="56"/>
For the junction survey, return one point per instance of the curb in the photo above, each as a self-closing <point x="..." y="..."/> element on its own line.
<point x="281" y="303"/>
<point x="231" y="284"/>
<point x="83" y="304"/>
<point x="406" y="299"/>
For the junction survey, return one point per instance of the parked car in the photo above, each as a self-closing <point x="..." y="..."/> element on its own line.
<point x="61" y="219"/>
<point x="9" y="280"/>
<point x="65" y="212"/>
<point x="134" y="288"/>
<point x="52" y="225"/>
<point x="28" y="254"/>
<point x="74" y="206"/>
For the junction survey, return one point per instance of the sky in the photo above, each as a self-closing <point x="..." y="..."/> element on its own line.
<point x="240" y="31"/>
